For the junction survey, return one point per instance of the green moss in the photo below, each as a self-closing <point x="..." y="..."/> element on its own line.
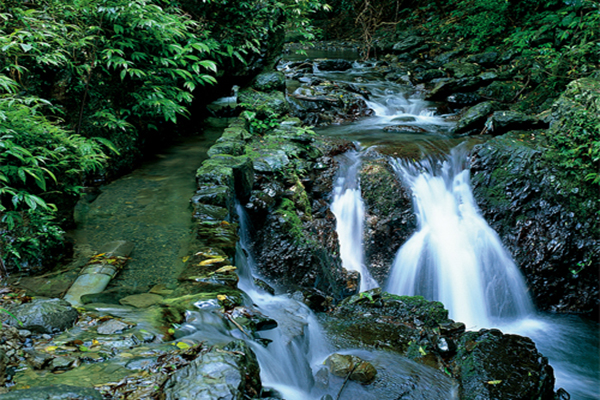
<point x="293" y="223"/>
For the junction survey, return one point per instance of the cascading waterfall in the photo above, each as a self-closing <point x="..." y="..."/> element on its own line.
<point x="455" y="257"/>
<point x="349" y="210"/>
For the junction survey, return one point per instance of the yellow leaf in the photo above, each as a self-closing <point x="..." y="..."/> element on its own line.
<point x="221" y="297"/>
<point x="51" y="348"/>
<point x="126" y="355"/>
<point x="185" y="259"/>
<point x="226" y="268"/>
<point x="493" y="382"/>
<point x="171" y="331"/>
<point x="183" y="345"/>
<point x="95" y="342"/>
<point x="423" y="352"/>
<point x="211" y="261"/>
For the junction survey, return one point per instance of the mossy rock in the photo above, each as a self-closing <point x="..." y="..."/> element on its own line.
<point x="475" y="117"/>
<point x="210" y="213"/>
<point x="462" y="70"/>
<point x="233" y="148"/>
<point x="234" y="133"/>
<point x="271" y="105"/>
<point x="222" y="235"/>
<point x="503" y="92"/>
<point x="220" y="196"/>
<point x="272" y="80"/>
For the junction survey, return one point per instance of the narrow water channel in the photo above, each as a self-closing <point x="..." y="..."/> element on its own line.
<point x="149" y="207"/>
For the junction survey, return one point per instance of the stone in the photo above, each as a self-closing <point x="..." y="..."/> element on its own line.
<point x="271" y="161"/>
<point x="503" y="92"/>
<point x="504" y="121"/>
<point x="428" y="75"/>
<point x="271" y="105"/>
<point x="404" y="129"/>
<point x="113" y="326"/>
<point x="46" y="315"/>
<point x="408" y="43"/>
<point x="462" y="70"/>
<point x="3" y="362"/>
<point x="57" y="392"/>
<point x="62" y="363"/>
<point x="218" y="196"/>
<point x="333" y="65"/>
<point x="476" y="116"/>
<point x="487" y="59"/>
<point x="234" y="148"/>
<point x="272" y="80"/>
<point x="37" y="359"/>
<point x="103" y="297"/>
<point x="207" y="212"/>
<point x="228" y="373"/>
<point x="143" y="300"/>
<point x="343" y="365"/>
<point x="340" y="364"/>
<point x="364" y="372"/>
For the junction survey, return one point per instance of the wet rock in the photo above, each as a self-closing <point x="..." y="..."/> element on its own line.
<point x="389" y="219"/>
<point x="234" y="148"/>
<point x="462" y="70"/>
<point x="476" y="116"/>
<point x="252" y="319"/>
<point x="207" y="212"/>
<point x="103" y="297"/>
<point x="408" y="43"/>
<point x="228" y="373"/>
<point x="219" y="196"/>
<point x="358" y="370"/>
<point x="463" y="99"/>
<point x="58" y="392"/>
<point x="333" y="65"/>
<point x="503" y="92"/>
<point x="62" y="363"/>
<point x="496" y="366"/>
<point x="444" y="87"/>
<point x="272" y="80"/>
<point x="322" y="378"/>
<point x="428" y="75"/>
<point x="504" y="121"/>
<point x="46" y="315"/>
<point x="487" y="59"/>
<point x="271" y="104"/>
<point x="270" y="161"/>
<point x="143" y="300"/>
<point x="113" y="326"/>
<point x="36" y="359"/>
<point x="404" y="129"/>
<point x="546" y="223"/>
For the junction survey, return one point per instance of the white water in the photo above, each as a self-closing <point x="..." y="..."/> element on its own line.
<point x="349" y="210"/>
<point x="456" y="258"/>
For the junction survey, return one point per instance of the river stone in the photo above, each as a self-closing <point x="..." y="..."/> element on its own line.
<point x="243" y="172"/>
<point x="207" y="212"/>
<point x="364" y="372"/>
<point x="37" y="359"/>
<point x="475" y="116"/>
<point x="463" y="99"/>
<point x="504" y="121"/>
<point x="343" y="365"/>
<point x="46" y="315"/>
<point x="503" y="92"/>
<point x="271" y="161"/>
<point x="220" y="196"/>
<point x="113" y="326"/>
<point x="230" y="373"/>
<point x="407" y="44"/>
<point x="428" y="75"/>
<point x="58" y="392"/>
<point x="3" y="362"/>
<point x="62" y="363"/>
<point x="487" y="59"/>
<point x="143" y="300"/>
<point x="333" y="65"/>
<point x="103" y="297"/>
<point x="444" y="87"/>
<point x="340" y="364"/>
<point x="273" y="80"/>
<point x="404" y="129"/>
<point x="463" y="70"/>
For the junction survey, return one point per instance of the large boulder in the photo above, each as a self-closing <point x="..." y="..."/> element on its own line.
<point x="504" y="121"/>
<point x="272" y="104"/>
<point x="46" y="315"/>
<point x="475" y="117"/>
<point x="333" y="65"/>
<point x="544" y="218"/>
<point x="272" y="80"/>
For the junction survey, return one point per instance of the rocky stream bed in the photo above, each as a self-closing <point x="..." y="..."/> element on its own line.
<point x="206" y="331"/>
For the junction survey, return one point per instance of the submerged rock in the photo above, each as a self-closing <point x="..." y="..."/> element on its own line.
<point x="353" y="367"/>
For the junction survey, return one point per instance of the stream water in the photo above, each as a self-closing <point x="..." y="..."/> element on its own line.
<point x="150" y="207"/>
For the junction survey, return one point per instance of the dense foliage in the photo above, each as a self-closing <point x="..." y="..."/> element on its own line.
<point x="80" y="77"/>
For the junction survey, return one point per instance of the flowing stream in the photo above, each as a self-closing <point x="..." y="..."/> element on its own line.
<point x="454" y="256"/>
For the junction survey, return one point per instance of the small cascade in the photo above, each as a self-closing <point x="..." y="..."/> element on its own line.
<point x="455" y="256"/>
<point x="349" y="210"/>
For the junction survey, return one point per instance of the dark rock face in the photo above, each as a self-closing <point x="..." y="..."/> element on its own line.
<point x="504" y="121"/>
<point x="493" y="366"/>
<point x="272" y="80"/>
<point x="545" y="224"/>
<point x="487" y="364"/>
<point x="389" y="219"/>
<point x="408" y="43"/>
<point x="46" y="315"/>
<point x="230" y="373"/>
<point x="58" y="392"/>
<point x="475" y="117"/>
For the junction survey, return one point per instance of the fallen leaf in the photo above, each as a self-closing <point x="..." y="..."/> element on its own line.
<point x="51" y="348"/>
<point x="494" y="382"/>
<point x="211" y="261"/>
<point x="183" y="345"/>
<point x="226" y="268"/>
<point x="221" y="297"/>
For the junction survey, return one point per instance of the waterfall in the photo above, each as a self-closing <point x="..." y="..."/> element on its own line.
<point x="349" y="210"/>
<point x="455" y="257"/>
